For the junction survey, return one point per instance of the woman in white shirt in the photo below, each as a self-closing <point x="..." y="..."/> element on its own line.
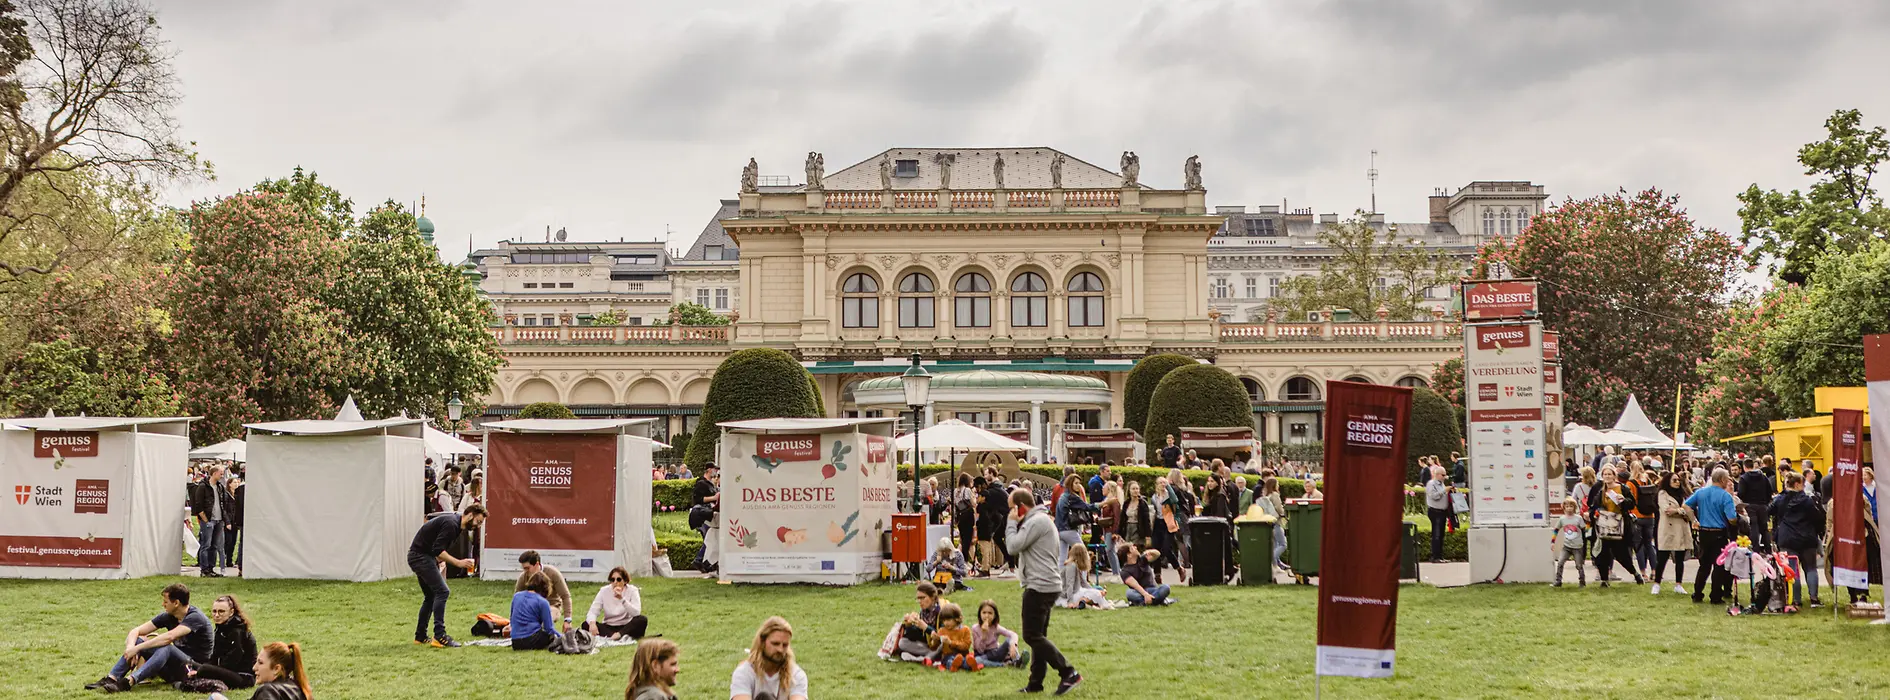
<point x="617" y="611"/>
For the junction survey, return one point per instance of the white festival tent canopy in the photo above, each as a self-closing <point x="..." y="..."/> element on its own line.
<point x="233" y="449"/>
<point x="1634" y="421"/>
<point x="95" y="497"/>
<point x="513" y="446"/>
<point x="1578" y="434"/>
<point x="333" y="499"/>
<point x="441" y="443"/>
<point x="954" y="434"/>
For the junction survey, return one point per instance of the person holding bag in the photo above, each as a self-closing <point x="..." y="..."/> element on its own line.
<point x="1610" y="505"/>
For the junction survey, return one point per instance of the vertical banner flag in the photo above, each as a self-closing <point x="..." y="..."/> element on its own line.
<point x="555" y="493"/>
<point x="1877" y="383"/>
<point x="1503" y="390"/>
<point x="1552" y="420"/>
<point x="1850" y="562"/>
<point x="1358" y="579"/>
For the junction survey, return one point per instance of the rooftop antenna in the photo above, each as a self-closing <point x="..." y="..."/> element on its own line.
<point x="1371" y="174"/>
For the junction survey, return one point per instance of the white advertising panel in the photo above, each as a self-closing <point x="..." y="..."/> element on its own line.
<point x="1552" y="420"/>
<point x="805" y="506"/>
<point x="1503" y="392"/>
<point x="71" y="498"/>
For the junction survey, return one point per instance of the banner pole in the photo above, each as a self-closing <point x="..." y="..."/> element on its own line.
<point x="1673" y="458"/>
<point x="1315" y="683"/>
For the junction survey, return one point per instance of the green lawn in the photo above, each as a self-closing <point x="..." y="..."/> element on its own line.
<point x="1511" y="641"/>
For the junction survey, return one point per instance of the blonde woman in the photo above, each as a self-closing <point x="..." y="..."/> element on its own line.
<point x="1109" y="523"/>
<point x="653" y="671"/>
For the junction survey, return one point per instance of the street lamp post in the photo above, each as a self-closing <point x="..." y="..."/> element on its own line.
<point x="454" y="408"/>
<point x="918" y="385"/>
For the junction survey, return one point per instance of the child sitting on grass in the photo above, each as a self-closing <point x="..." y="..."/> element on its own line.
<point x="991" y="644"/>
<point x="952" y="642"/>
<point x="1075" y="571"/>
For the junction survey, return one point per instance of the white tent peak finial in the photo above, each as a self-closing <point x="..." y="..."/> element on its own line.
<point x="349" y="411"/>
<point x="49" y="413"/>
<point x="1634" y="420"/>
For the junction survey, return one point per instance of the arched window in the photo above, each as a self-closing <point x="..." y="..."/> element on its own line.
<point x="859" y="301"/>
<point x="1489" y="222"/>
<point x="972" y="304"/>
<point x="1505" y="219"/>
<point x="1086" y="300"/>
<point x="915" y="301"/>
<point x="1414" y="382"/>
<point x="1360" y="379"/>
<point x="1253" y="389"/>
<point x="1301" y="389"/>
<point x="1522" y="220"/>
<point x="1029" y="304"/>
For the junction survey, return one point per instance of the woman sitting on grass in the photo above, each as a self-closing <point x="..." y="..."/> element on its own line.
<point x="280" y="674"/>
<point x="233" y="659"/>
<point x="532" y="616"/>
<point x="653" y="671"/>
<point x="617" y="611"/>
<point x="1075" y="571"/>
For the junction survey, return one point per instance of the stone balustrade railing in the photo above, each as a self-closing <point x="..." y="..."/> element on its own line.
<point x="1436" y="330"/>
<point x="968" y="200"/>
<point x="613" y="335"/>
<point x="1439" y="330"/>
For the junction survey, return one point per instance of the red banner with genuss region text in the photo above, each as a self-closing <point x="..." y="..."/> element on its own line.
<point x="1364" y="507"/>
<point x="1850" y="560"/>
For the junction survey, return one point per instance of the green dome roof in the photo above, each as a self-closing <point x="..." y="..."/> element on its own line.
<point x="424" y="224"/>
<point x="992" y="379"/>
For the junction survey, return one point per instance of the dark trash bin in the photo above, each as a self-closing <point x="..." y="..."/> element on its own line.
<point x="1407" y="552"/>
<point x="1210" y="536"/>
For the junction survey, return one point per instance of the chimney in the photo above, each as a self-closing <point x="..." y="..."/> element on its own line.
<point x="1440" y="206"/>
<point x="1328" y="218"/>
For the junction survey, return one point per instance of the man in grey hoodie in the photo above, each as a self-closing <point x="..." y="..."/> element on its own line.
<point x="1031" y="536"/>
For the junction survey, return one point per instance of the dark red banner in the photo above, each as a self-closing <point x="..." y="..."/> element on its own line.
<point x="1364" y="506"/>
<point x="66" y="443"/>
<point x="1551" y="346"/>
<point x="1850" y="564"/>
<point x="75" y="552"/>
<point x="551" y="491"/>
<point x="788" y="448"/>
<point x="1493" y="300"/>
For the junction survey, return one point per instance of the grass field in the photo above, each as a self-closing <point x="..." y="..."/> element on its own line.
<point x="1510" y="641"/>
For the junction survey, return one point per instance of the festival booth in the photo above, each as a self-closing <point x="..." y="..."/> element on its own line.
<point x="93" y="498"/>
<point x="333" y="499"/>
<point x="1226" y="444"/>
<point x="805" y="500"/>
<point x="1105" y="446"/>
<point x="575" y="490"/>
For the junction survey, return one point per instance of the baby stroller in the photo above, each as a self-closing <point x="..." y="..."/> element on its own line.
<point x="1739" y="560"/>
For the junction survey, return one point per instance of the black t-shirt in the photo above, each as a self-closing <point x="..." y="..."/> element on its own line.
<point x="202" y="638"/>
<point x="1138" y="572"/>
<point x="435" y="536"/>
<point x="1171" y="457"/>
<point x="703" y="489"/>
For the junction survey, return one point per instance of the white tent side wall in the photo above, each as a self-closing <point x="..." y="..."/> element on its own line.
<point x="402" y="513"/>
<point x="635" y="495"/>
<point x="154" y="536"/>
<point x="316" y="508"/>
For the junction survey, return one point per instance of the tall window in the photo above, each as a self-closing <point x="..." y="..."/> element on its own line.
<point x="1029" y="304"/>
<point x="1086" y="300"/>
<point x="915" y="301"/>
<point x="1489" y="222"/>
<point x="1522" y="220"/>
<point x="1253" y="287"/>
<point x="721" y="298"/>
<point x="1220" y="287"/>
<point x="859" y="301"/>
<point x="972" y="302"/>
<point x="1273" y="287"/>
<point x="1505" y="219"/>
<point x="702" y="296"/>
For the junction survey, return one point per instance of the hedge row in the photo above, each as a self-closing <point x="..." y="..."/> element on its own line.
<point x="1456" y="544"/>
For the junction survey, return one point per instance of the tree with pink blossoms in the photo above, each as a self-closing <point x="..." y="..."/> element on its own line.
<point x="1636" y="290"/>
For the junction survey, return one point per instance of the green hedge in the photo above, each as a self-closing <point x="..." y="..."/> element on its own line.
<point x="1202" y="396"/>
<point x="546" y="409"/>
<point x="682" y="550"/>
<point x="1289" y="488"/>
<point x="672" y="492"/>
<point x="750" y="384"/>
<point x="1140" y="387"/>
<point x="1456" y="544"/>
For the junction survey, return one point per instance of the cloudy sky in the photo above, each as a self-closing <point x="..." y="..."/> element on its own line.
<point x="620" y="119"/>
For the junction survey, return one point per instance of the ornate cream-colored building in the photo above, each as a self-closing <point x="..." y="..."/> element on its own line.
<point x="1015" y="259"/>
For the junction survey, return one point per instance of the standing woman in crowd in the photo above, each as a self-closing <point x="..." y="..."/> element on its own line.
<point x="1109" y="523"/>
<point x="1068" y="505"/>
<point x="1580" y="493"/>
<point x="1610" y="507"/>
<point x="965" y="514"/>
<point x="1136" y="520"/>
<point x="653" y="671"/>
<point x="1675" y="529"/>
<point x="1646" y="521"/>
<point x="280" y="674"/>
<point x="1271" y="504"/>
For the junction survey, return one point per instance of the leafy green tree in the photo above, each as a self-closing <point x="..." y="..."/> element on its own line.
<point x="1734" y="398"/>
<point x="689" y="313"/>
<point x="1196" y="396"/>
<point x="72" y="379"/>
<point x="750" y="384"/>
<point x="1140" y="387"/>
<point x="1634" y="287"/>
<point x="255" y="339"/>
<point x="1819" y="342"/>
<point x="306" y="190"/>
<point x="1363" y="257"/>
<point x="419" y="328"/>
<point x="1791" y="231"/>
<point x="1434" y="431"/>
<point x="546" y="409"/>
<point x="1447" y="381"/>
<point x="612" y="317"/>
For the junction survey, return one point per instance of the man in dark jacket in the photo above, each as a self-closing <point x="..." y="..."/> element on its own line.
<point x="1756" y="492"/>
<point x="1798" y="527"/>
<point x="212" y="509"/>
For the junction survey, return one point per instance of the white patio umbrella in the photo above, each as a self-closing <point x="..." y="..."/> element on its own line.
<point x="232" y="449"/>
<point x="1578" y="434"/>
<point x="440" y="443"/>
<point x="954" y="435"/>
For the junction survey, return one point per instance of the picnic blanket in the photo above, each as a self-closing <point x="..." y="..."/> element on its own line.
<point x="602" y="642"/>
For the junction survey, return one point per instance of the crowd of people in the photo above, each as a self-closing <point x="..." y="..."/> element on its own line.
<point x="1639" y="513"/>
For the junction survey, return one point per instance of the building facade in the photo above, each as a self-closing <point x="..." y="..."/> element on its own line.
<point x="1009" y="260"/>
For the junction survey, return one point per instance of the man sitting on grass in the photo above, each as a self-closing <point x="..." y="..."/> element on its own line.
<point x="559" y="594"/>
<point x="1138" y="573"/>
<point x="187" y="639"/>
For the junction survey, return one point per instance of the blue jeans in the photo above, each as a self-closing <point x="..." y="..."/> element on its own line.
<point x="1279" y="542"/>
<point x="997" y="656"/>
<point x="209" y="545"/>
<point x="1155" y="595"/>
<point x="167" y="660"/>
<point x="1807" y="566"/>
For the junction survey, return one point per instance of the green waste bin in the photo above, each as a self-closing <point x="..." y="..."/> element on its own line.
<point x="1256" y="551"/>
<point x="1407" y="551"/>
<point x="1303" y="516"/>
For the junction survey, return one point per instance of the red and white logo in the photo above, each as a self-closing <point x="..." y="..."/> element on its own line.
<point x="1486" y="392"/>
<point x="21" y="493"/>
<point x="48" y="444"/>
<point x="92" y="496"/>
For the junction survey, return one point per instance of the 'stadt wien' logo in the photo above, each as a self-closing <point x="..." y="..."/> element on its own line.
<point x="21" y="493"/>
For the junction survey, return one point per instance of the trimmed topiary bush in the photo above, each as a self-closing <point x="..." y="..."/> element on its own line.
<point x="546" y="409"/>
<point x="1433" y="432"/>
<point x="1198" y="396"/>
<point x="1140" y="387"/>
<point x="750" y="384"/>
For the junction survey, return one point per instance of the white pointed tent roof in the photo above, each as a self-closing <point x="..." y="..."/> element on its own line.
<point x="1634" y="420"/>
<point x="348" y="421"/>
<point x="350" y="412"/>
<point x="233" y="449"/>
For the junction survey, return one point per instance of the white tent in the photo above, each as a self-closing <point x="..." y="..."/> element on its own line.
<point x="440" y="443"/>
<point x="1578" y="434"/>
<point x="805" y="500"/>
<point x="1634" y="421"/>
<point x="954" y="434"/>
<point x="577" y="491"/>
<point x="333" y="499"/>
<point x="93" y="498"/>
<point x="233" y="449"/>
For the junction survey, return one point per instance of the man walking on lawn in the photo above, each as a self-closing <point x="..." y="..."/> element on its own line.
<point x="424" y="557"/>
<point x="1033" y="538"/>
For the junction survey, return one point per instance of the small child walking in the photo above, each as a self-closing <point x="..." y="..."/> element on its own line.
<point x="1571" y="542"/>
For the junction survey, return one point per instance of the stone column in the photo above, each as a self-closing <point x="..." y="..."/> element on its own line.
<point x="1273" y="429"/>
<point x="1036" y="431"/>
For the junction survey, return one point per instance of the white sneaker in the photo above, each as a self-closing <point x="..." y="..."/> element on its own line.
<point x="1678" y="590"/>
<point x="1656" y="590"/>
